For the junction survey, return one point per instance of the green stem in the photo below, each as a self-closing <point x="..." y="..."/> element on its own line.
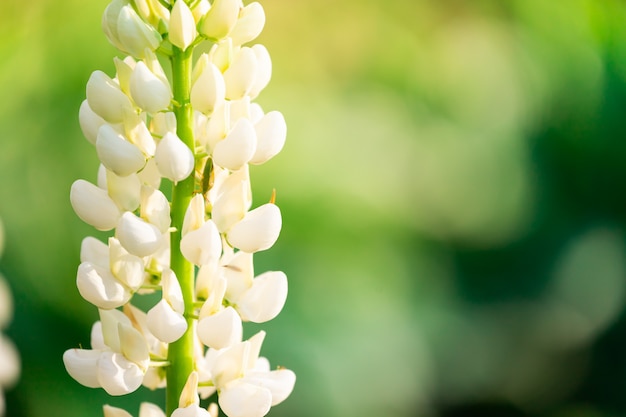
<point x="180" y="353"/>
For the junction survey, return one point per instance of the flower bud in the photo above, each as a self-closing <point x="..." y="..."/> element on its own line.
<point x="127" y="31"/>
<point x="133" y="345"/>
<point x="137" y="236"/>
<point x="238" y="146"/>
<point x="117" y="154"/>
<point x="106" y="98"/>
<point x="220" y="19"/>
<point x="249" y="25"/>
<point x="93" y="205"/>
<point x="148" y="91"/>
<point x="279" y="382"/>
<point x="271" y="133"/>
<point x="182" y="30"/>
<point x="123" y="70"/>
<point x="138" y="134"/>
<point x="258" y="230"/>
<point x="150" y="410"/>
<point x="173" y="158"/>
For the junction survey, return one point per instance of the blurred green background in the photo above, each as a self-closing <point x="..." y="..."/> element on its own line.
<point x="453" y="193"/>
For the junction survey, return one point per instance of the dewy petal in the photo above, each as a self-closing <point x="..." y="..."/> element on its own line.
<point x="89" y="121"/>
<point x="220" y="19"/>
<point x="182" y="30"/>
<point x="117" y="375"/>
<point x="125" y="191"/>
<point x="81" y="364"/>
<point x="98" y="286"/>
<point x="114" y="412"/>
<point x="93" y="205"/>
<point x="166" y="324"/>
<point x="106" y="99"/>
<point x="241" y="74"/>
<point x="238" y="146"/>
<point x="221" y="330"/>
<point x="265" y="299"/>
<point x="258" y="230"/>
<point x="117" y="154"/>
<point x="249" y="25"/>
<point x="280" y="383"/>
<point x="271" y="133"/>
<point x="147" y="90"/>
<point x="209" y="90"/>
<point x="241" y="399"/>
<point x="173" y="158"/>
<point x="137" y="236"/>
<point x="202" y="246"/>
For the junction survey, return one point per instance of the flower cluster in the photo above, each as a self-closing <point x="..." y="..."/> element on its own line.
<point x="199" y="130"/>
<point x="9" y="359"/>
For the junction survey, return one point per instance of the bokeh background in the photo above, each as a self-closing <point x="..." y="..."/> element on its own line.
<point x="453" y="192"/>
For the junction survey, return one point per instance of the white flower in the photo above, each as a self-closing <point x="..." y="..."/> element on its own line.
<point x="182" y="31"/>
<point x="99" y="286"/>
<point x="238" y="146"/>
<point x="148" y="91"/>
<point x="138" y="236"/>
<point x="220" y="19"/>
<point x="241" y="74"/>
<point x="89" y="122"/>
<point x="173" y="158"/>
<point x="249" y="25"/>
<point x="125" y="191"/>
<point x="127" y="31"/>
<point x="118" y="154"/>
<point x="258" y="230"/>
<point x="106" y="99"/>
<point x="165" y="320"/>
<point x="271" y="133"/>
<point x="120" y="363"/>
<point x="93" y="205"/>
<point x="209" y="90"/>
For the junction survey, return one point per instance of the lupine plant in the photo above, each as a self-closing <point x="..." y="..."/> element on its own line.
<point x="178" y="116"/>
<point x="9" y="358"/>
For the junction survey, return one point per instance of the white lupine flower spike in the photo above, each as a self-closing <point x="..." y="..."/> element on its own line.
<point x="173" y="191"/>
